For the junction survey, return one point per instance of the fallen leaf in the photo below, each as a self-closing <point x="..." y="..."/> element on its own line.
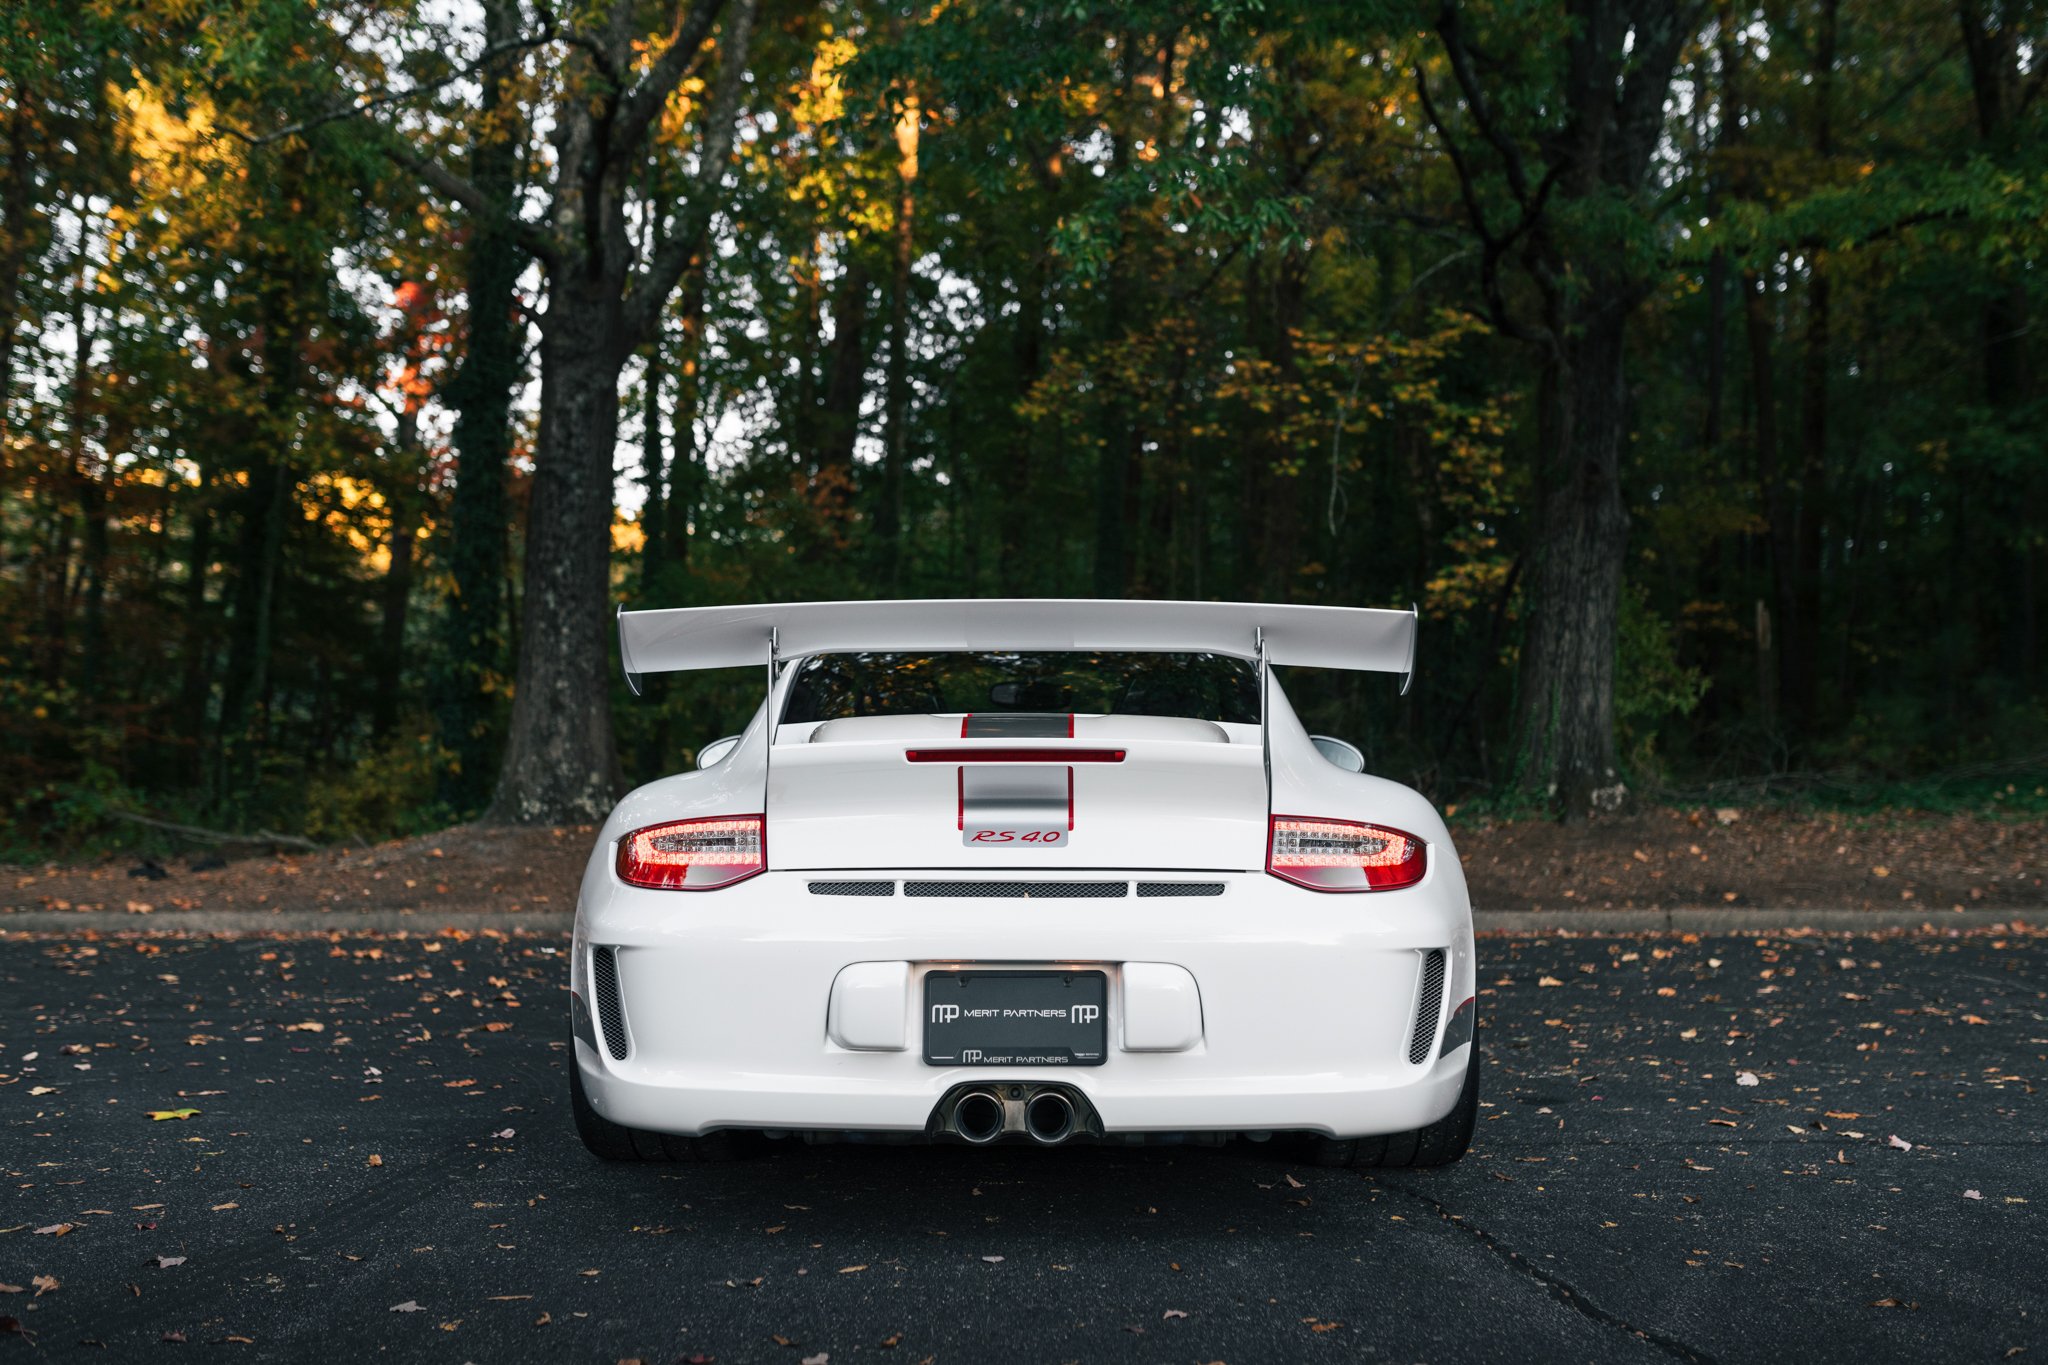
<point x="1746" y="1078"/>
<point x="42" y="1090"/>
<point x="1900" y="1143"/>
<point x="1548" y="981"/>
<point x="223" y="1208"/>
<point x="161" y="1114"/>
<point x="992" y="1260"/>
<point x="1174" y="1313"/>
<point x="544" y="1319"/>
<point x="821" y="1358"/>
<point x="851" y="1269"/>
<point x="44" y="1284"/>
<point x="55" y="1229"/>
<point x="504" y="1133"/>
<point x="1973" y="1194"/>
<point x="11" y="1289"/>
<point x="409" y="1306"/>
<point x="166" y="1262"/>
<point x="374" y="1160"/>
<point x="310" y="1026"/>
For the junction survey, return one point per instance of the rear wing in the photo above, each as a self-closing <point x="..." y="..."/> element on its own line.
<point x="1360" y="638"/>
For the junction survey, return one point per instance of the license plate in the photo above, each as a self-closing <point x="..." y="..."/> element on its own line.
<point x="1000" y="1018"/>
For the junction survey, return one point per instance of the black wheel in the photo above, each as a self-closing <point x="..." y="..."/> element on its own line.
<point x="616" y="1142"/>
<point x="1439" y="1144"/>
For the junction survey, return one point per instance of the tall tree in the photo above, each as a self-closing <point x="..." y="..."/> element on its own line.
<point x="1572" y="152"/>
<point x="603" y="304"/>
<point x="474" y="625"/>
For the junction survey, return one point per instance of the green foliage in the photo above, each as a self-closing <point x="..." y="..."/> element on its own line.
<point x="1651" y="686"/>
<point x="390" y="792"/>
<point x="1192" y="310"/>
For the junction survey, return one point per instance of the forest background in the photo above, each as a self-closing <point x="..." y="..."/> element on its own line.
<point x="357" y="358"/>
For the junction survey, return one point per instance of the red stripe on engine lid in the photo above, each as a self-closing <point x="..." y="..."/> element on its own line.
<point x="1014" y="755"/>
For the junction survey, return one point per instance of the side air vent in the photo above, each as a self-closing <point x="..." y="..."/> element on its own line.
<point x="853" y="888"/>
<point x="1429" y="1004"/>
<point x="1180" y="888"/>
<point x="611" y="1014"/>
<point x="1023" y="890"/>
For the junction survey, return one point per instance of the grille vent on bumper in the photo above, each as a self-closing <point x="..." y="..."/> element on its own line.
<point x="611" y="1014"/>
<point x="1180" y="888"/>
<point x="1035" y="890"/>
<point x="853" y="888"/>
<point x="1429" y="1004"/>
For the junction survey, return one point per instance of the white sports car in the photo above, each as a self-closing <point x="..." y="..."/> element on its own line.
<point x="1036" y="871"/>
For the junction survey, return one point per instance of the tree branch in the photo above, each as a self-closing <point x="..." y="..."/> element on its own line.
<point x="643" y="104"/>
<point x="1492" y="247"/>
<point x="650" y="295"/>
<point x="1451" y="30"/>
<point x="460" y="189"/>
<point x="390" y="97"/>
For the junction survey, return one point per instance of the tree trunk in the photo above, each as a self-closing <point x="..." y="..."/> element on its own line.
<point x="838" y="419"/>
<point x="560" y="764"/>
<point x="396" y="590"/>
<point x="473" y="625"/>
<point x="1567" y="678"/>
<point x="17" y="209"/>
<point x="686" y="462"/>
<point x="896" y="402"/>
<point x="1759" y="327"/>
<point x="194" y="685"/>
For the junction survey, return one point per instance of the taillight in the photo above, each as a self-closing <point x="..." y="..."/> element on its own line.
<point x="695" y="855"/>
<point x="1344" y="855"/>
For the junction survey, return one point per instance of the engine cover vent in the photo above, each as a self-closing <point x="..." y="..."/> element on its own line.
<point x="1429" y="1005"/>
<point x="1021" y="890"/>
<point x="611" y="1013"/>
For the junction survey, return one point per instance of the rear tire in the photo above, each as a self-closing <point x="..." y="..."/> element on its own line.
<point x="1438" y="1144"/>
<point x="617" y="1142"/>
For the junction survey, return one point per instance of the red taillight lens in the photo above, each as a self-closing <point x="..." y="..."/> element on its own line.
<point x="695" y="855"/>
<point x="1344" y="855"/>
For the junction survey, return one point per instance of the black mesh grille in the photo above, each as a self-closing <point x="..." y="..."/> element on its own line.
<point x="853" y="888"/>
<point x="611" y="1015"/>
<point x="1429" y="1003"/>
<point x="1180" y="888"/>
<point x="1033" y="890"/>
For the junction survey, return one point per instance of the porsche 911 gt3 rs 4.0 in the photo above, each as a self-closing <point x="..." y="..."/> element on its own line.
<point x="1033" y="871"/>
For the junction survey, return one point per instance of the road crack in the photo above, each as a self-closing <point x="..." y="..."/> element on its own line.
<point x="1555" y="1285"/>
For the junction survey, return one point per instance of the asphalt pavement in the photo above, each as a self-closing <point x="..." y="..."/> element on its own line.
<point x="1729" y="1149"/>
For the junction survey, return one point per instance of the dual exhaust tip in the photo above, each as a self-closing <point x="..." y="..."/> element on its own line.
<point x="980" y="1117"/>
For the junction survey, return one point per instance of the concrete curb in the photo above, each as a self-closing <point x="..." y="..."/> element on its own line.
<point x="1747" y="921"/>
<point x="555" y="923"/>
<point x="548" y="922"/>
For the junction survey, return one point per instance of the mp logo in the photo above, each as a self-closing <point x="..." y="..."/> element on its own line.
<point x="1087" y="1014"/>
<point x="945" y="1014"/>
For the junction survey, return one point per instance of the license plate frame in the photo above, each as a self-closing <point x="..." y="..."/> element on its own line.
<point x="1055" y="1017"/>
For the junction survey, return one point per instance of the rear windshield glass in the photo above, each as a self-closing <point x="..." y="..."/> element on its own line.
<point x="1202" y="686"/>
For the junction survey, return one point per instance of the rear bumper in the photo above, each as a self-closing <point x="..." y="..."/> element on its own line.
<point x="1310" y="1005"/>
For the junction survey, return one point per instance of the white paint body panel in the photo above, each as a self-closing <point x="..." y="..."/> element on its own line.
<point x="1266" y="1007"/>
<point x="867" y="1010"/>
<point x="1162" y="1008"/>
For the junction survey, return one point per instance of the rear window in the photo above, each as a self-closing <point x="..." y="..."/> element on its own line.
<point x="1214" y="687"/>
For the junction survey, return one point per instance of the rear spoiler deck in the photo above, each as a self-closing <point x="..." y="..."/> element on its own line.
<point x="1360" y="638"/>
